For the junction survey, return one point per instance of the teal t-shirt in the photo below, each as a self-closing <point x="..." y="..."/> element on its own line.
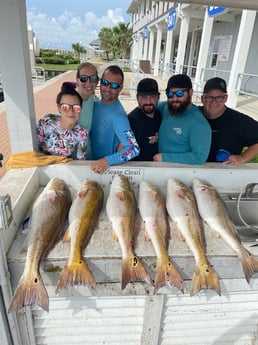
<point x="184" y="138"/>
<point x="85" y="120"/>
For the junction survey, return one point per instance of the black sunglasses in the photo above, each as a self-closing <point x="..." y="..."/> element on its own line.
<point x="178" y="93"/>
<point x="84" y="77"/>
<point x="114" y="86"/>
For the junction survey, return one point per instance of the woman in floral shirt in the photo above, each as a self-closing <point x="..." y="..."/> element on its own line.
<point x="61" y="135"/>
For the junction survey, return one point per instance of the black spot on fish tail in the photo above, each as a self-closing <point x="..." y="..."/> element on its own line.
<point x="30" y="290"/>
<point x="76" y="274"/>
<point x="204" y="278"/>
<point x="132" y="271"/>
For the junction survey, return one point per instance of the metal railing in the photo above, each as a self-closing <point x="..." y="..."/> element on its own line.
<point x="38" y="75"/>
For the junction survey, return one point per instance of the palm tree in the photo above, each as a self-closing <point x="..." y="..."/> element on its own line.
<point x="116" y="40"/>
<point x="106" y="40"/>
<point x="123" y="38"/>
<point x="78" y="48"/>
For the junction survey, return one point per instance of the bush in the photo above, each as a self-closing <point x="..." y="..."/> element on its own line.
<point x="55" y="60"/>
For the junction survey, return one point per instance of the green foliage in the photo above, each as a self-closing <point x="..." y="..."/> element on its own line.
<point x="116" y="40"/>
<point x="58" y="67"/>
<point x="79" y="49"/>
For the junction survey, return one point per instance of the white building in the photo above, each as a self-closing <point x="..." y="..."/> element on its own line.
<point x="201" y="41"/>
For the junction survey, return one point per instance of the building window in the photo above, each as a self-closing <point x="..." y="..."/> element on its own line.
<point x="215" y="51"/>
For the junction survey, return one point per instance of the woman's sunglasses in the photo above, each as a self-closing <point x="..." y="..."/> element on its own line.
<point x="84" y="77"/>
<point x="65" y="107"/>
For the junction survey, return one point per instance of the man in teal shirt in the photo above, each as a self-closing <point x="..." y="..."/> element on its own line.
<point x="184" y="134"/>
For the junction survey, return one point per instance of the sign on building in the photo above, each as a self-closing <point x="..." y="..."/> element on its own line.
<point x="215" y="10"/>
<point x="171" y="20"/>
<point x="145" y="32"/>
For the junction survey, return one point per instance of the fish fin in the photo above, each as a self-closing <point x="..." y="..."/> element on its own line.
<point x="120" y="196"/>
<point x="249" y="263"/>
<point x="67" y="236"/>
<point x="114" y="236"/>
<point x="147" y="237"/>
<point x="83" y="193"/>
<point x="78" y="273"/>
<point x="181" y="236"/>
<point x="51" y="195"/>
<point x="30" y="290"/>
<point x="204" y="278"/>
<point x="133" y="270"/>
<point x="167" y="274"/>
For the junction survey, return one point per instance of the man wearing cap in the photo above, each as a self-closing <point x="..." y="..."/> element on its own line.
<point x="231" y="130"/>
<point x="184" y="134"/>
<point x="145" y="119"/>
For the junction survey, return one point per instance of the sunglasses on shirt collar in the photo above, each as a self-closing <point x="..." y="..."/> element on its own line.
<point x="105" y="82"/>
<point x="84" y="77"/>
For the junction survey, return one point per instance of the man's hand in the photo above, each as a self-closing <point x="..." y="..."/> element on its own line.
<point x="157" y="157"/>
<point x="100" y="165"/>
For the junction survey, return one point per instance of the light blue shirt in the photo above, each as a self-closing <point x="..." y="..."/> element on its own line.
<point x="184" y="138"/>
<point x="110" y="126"/>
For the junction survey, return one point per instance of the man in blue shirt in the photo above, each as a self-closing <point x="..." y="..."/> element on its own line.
<point x="110" y="125"/>
<point x="184" y="134"/>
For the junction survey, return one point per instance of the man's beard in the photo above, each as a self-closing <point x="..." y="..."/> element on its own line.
<point x="179" y="109"/>
<point x="148" y="109"/>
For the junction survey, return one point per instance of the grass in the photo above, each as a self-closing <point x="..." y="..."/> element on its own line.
<point x="64" y="68"/>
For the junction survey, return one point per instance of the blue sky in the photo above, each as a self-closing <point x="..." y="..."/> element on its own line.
<point x="59" y="23"/>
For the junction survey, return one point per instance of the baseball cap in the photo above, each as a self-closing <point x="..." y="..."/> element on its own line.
<point x="179" y="80"/>
<point x="215" y="84"/>
<point x="147" y="86"/>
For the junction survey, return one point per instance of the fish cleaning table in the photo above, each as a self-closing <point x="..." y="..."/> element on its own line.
<point x="103" y="254"/>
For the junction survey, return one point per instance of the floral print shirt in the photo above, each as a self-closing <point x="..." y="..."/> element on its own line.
<point x="54" y="140"/>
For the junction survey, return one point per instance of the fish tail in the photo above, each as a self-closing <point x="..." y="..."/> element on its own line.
<point x="77" y="273"/>
<point x="249" y="263"/>
<point x="204" y="278"/>
<point x="133" y="270"/>
<point x="30" y="290"/>
<point x="167" y="274"/>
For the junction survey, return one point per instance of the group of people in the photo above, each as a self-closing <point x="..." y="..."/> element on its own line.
<point x="174" y="130"/>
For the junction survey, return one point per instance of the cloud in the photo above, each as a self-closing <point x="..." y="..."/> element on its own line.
<point x="62" y="31"/>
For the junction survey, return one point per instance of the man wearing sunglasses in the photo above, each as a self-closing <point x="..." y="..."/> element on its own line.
<point x="184" y="134"/>
<point x="110" y="125"/>
<point x="86" y="80"/>
<point x="232" y="131"/>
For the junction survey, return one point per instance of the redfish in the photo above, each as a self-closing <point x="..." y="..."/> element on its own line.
<point x="214" y="213"/>
<point x="182" y="209"/>
<point x="83" y="218"/>
<point x="121" y="210"/>
<point x="49" y="214"/>
<point x="153" y="213"/>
